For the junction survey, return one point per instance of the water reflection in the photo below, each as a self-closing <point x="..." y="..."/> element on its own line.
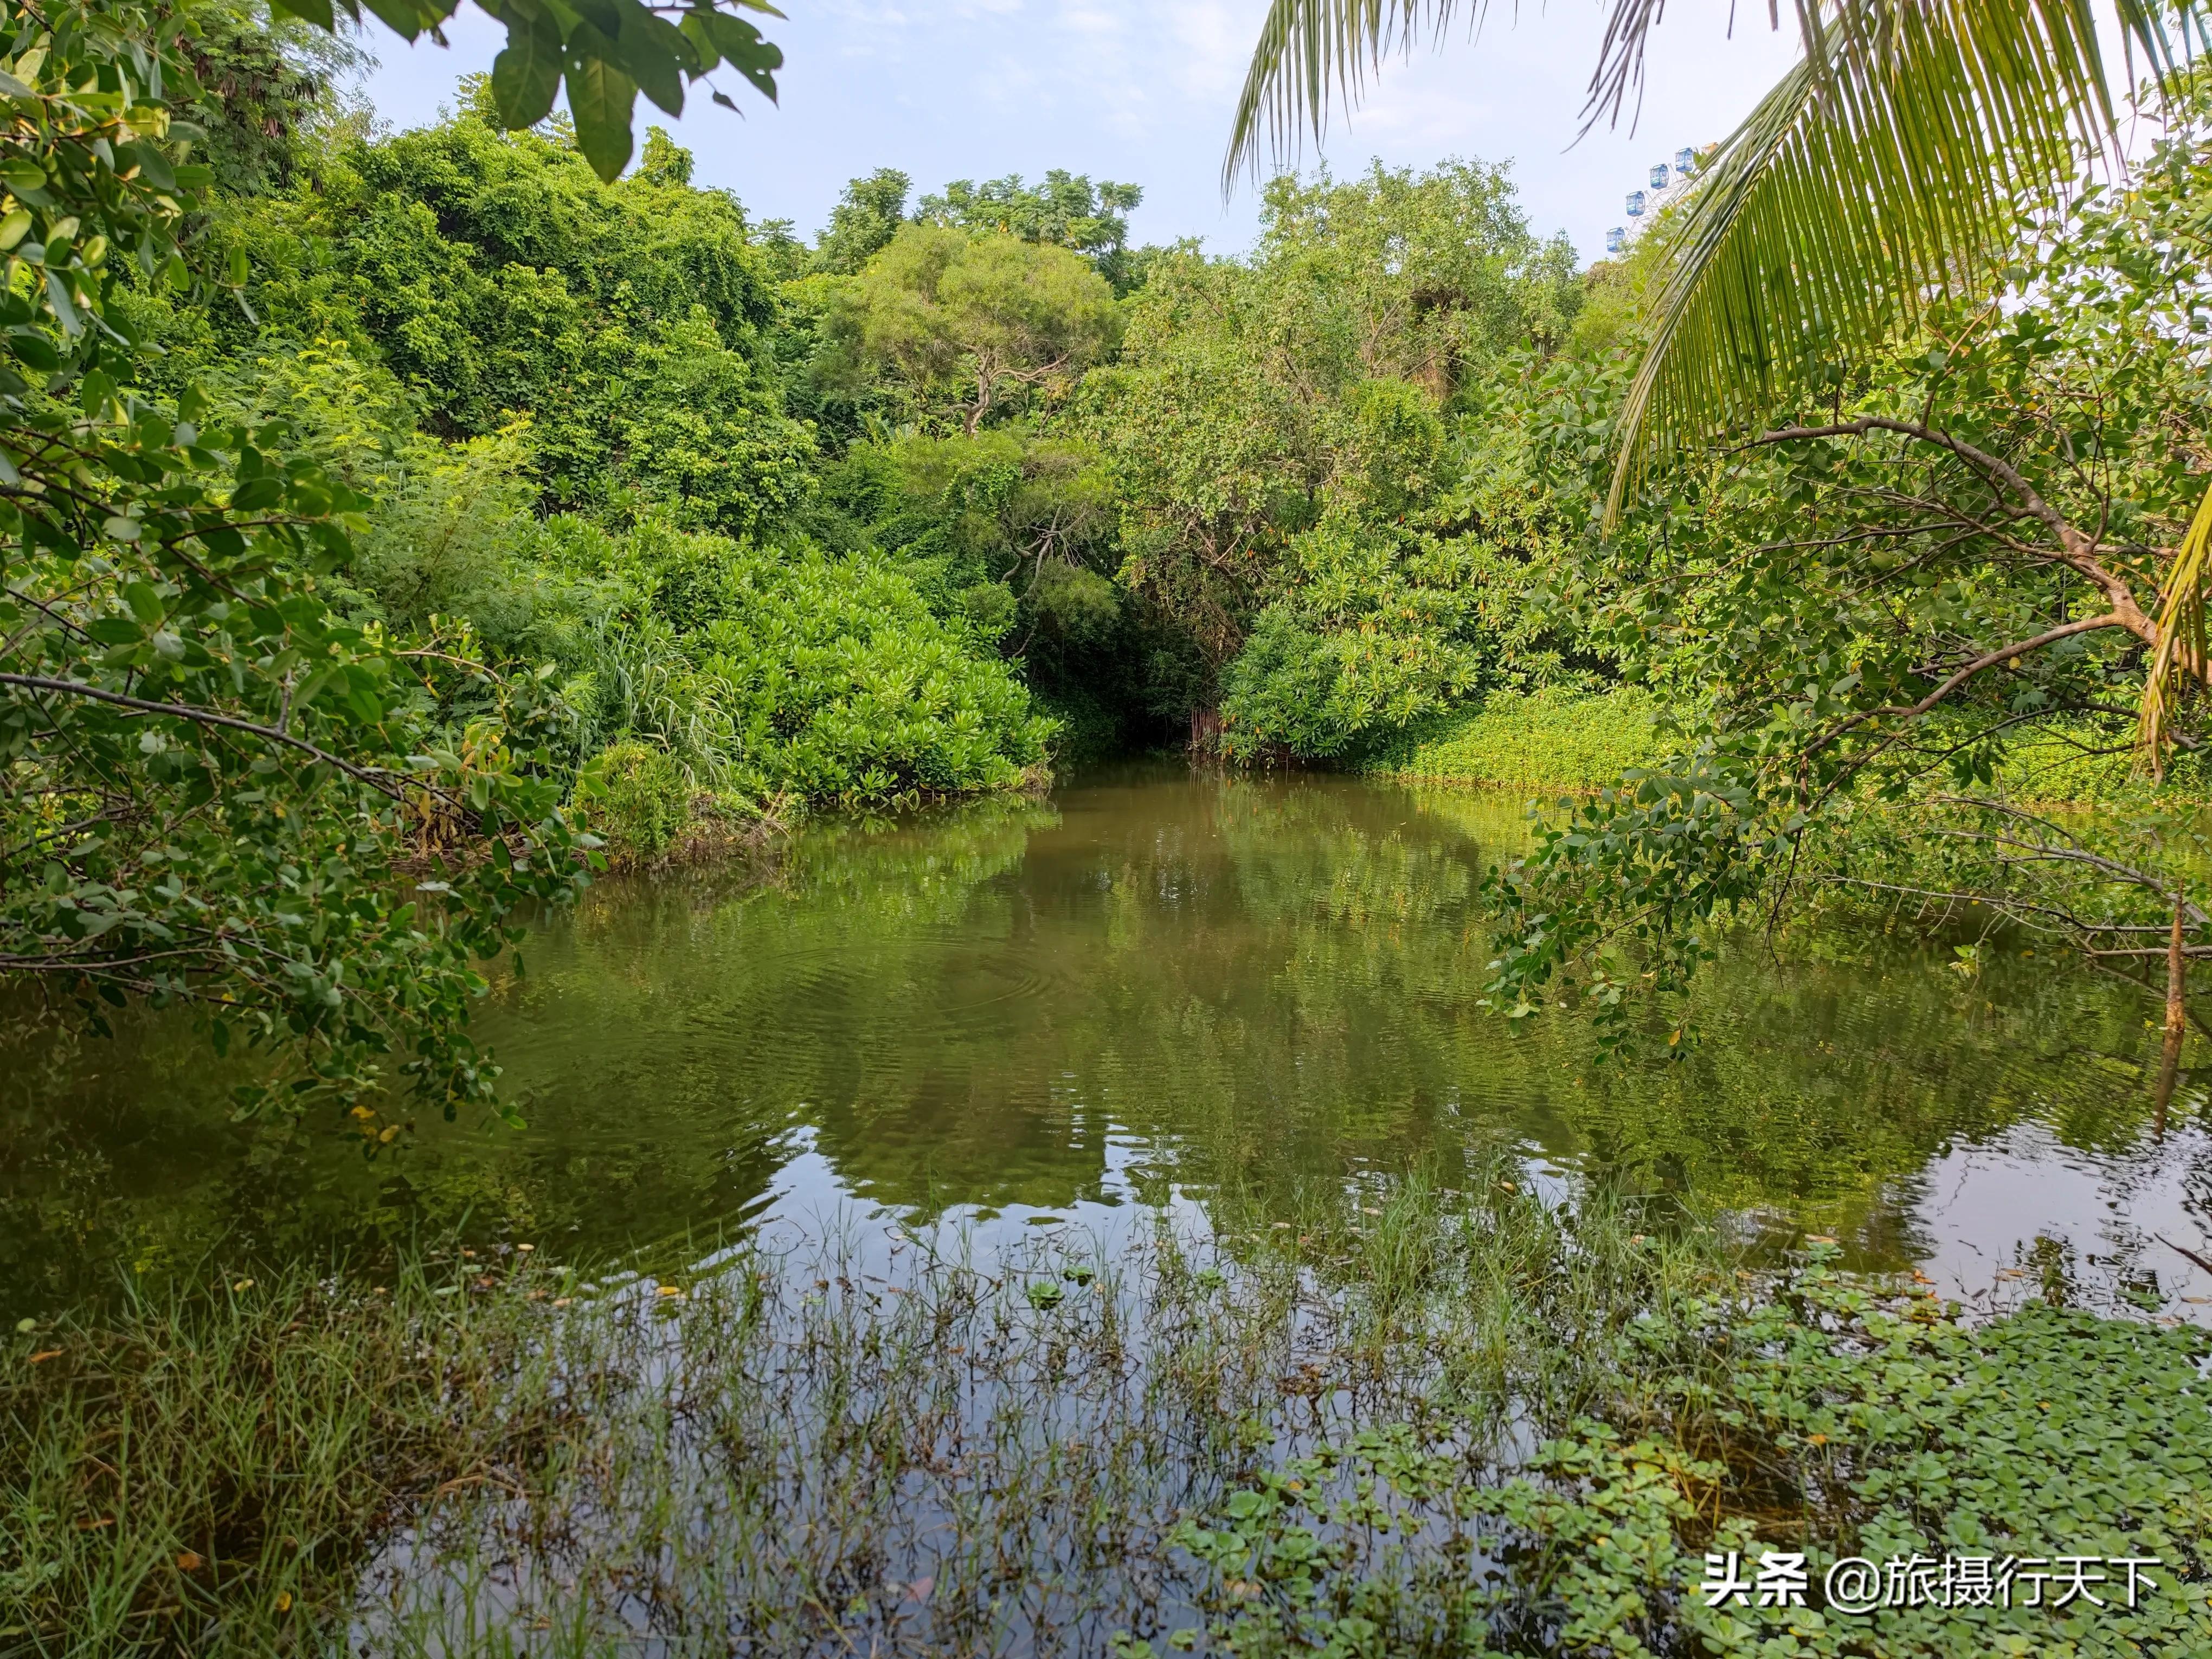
<point x="1158" y="980"/>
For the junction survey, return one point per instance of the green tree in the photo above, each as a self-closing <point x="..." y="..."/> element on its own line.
<point x="1892" y="166"/>
<point x="264" y="80"/>
<point x="497" y="276"/>
<point x="1914" y="162"/>
<point x="212" y="778"/>
<point x="1067" y="211"/>
<point x="1012" y="532"/>
<point x="867" y="216"/>
<point x="978" y="322"/>
<point x="1876" y="626"/>
<point x="1255" y="399"/>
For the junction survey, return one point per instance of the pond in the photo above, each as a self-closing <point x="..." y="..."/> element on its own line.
<point x="1156" y="982"/>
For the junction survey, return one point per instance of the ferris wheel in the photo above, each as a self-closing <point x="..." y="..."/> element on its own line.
<point x="1668" y="183"/>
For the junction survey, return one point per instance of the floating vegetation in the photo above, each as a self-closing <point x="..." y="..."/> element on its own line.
<point x="1436" y="1422"/>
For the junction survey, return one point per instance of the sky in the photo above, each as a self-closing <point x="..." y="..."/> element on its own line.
<point x="1143" y="91"/>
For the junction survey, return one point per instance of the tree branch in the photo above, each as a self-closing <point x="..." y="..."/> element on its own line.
<point x="2075" y="549"/>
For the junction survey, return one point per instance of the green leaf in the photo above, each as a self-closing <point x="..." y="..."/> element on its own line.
<point x="153" y="166"/>
<point x="526" y="75"/>
<point x="58" y="297"/>
<point x="145" y="604"/>
<point x="696" y="30"/>
<point x="317" y="12"/>
<point x="22" y="177"/>
<point x="741" y="45"/>
<point x="600" y="99"/>
<point x="36" y="351"/>
<point x="406" y="18"/>
<point x="656" y="54"/>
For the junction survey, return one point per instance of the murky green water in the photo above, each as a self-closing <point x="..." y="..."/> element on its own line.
<point x="1154" y="981"/>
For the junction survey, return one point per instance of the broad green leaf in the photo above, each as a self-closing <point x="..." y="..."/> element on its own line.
<point x="526" y="75"/>
<point x="35" y="351"/>
<point x="153" y="166"/>
<point x="696" y="30"/>
<point x="317" y="12"/>
<point x="145" y="604"/>
<point x="406" y="18"/>
<point x="742" y="46"/>
<point x="600" y="99"/>
<point x="58" y="297"/>
<point x="656" y="54"/>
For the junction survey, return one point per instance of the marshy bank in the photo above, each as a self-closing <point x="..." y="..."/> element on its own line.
<point x="1406" y="1418"/>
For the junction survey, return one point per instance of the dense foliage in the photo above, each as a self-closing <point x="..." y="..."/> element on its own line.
<point x="360" y="492"/>
<point x="212" y="771"/>
<point x="542" y="498"/>
<point x="1876" y="622"/>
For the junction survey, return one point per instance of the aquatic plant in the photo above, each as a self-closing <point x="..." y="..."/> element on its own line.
<point x="1421" y="1420"/>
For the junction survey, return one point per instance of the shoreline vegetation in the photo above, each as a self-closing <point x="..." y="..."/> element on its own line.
<point x="1580" y="743"/>
<point x="1400" y="1420"/>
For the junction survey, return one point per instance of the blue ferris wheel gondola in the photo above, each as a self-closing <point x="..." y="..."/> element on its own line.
<point x="1615" y="240"/>
<point x="1685" y="159"/>
<point x="1659" y="176"/>
<point x="1636" y="204"/>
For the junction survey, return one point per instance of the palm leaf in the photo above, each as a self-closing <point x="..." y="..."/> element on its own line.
<point x="1309" y="50"/>
<point x="1886" y="168"/>
<point x="1889" y="166"/>
<point x="2181" y="642"/>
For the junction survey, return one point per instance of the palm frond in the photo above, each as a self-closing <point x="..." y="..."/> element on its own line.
<point x="2181" y="642"/>
<point x="1888" y="167"/>
<point x="1311" y="51"/>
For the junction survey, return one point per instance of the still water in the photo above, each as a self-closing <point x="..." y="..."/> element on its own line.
<point x="1154" y="983"/>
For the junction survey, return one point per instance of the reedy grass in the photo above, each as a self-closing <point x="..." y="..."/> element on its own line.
<point x="878" y="1441"/>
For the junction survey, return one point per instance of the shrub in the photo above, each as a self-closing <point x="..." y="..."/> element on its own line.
<point x="639" y="799"/>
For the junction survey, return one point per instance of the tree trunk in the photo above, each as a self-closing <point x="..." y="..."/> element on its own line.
<point x="1205" y="731"/>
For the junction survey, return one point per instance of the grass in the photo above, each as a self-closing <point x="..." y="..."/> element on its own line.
<point x="1402" y="1420"/>
<point x="1578" y="744"/>
<point x="1547" y="740"/>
